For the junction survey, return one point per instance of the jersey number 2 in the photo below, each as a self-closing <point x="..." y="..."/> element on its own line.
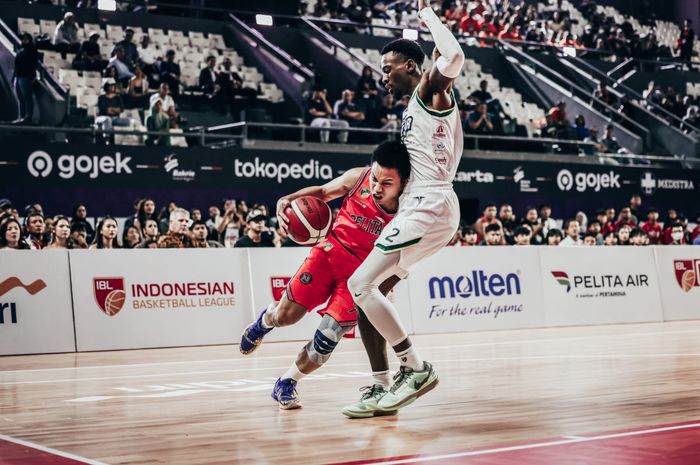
<point x="395" y="233"/>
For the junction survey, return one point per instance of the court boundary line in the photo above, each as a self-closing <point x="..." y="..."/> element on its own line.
<point x="50" y="450"/>
<point x="274" y="357"/>
<point x="528" y="446"/>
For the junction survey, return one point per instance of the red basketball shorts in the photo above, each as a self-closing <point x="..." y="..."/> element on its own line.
<point x="324" y="277"/>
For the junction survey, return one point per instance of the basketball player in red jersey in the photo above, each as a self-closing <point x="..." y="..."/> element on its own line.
<point x="372" y="198"/>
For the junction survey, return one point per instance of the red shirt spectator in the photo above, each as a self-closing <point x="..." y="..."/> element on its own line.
<point x="509" y="33"/>
<point x="654" y="232"/>
<point x="625" y="218"/>
<point x="469" y="25"/>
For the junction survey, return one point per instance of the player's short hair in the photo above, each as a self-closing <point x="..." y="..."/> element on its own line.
<point x="408" y="48"/>
<point x="393" y="154"/>
<point x="493" y="227"/>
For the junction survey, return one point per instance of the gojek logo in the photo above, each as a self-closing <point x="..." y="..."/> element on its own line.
<point x="40" y="165"/>
<point x="476" y="284"/>
<point x="563" y="279"/>
<point x="566" y="181"/>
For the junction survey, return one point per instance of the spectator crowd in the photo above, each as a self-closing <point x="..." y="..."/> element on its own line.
<point x="235" y="224"/>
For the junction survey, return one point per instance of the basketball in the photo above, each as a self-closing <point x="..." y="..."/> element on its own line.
<point x="114" y="302"/>
<point x="688" y="279"/>
<point x="309" y="220"/>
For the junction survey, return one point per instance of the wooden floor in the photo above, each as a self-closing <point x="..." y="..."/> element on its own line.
<point x="210" y="405"/>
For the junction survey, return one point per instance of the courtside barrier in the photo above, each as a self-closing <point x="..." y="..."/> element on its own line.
<point x="678" y="270"/>
<point x="36" y="315"/>
<point x="129" y="299"/>
<point x="601" y="285"/>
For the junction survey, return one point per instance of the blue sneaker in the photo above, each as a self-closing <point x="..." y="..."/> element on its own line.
<point x="285" y="393"/>
<point x="253" y="335"/>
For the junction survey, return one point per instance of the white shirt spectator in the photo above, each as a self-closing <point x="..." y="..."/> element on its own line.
<point x="168" y="101"/>
<point x="568" y="241"/>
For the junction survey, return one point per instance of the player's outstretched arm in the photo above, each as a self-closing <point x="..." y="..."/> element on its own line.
<point x="449" y="56"/>
<point x="332" y="190"/>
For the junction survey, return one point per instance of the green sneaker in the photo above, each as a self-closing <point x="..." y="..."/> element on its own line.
<point x="408" y="386"/>
<point x="367" y="407"/>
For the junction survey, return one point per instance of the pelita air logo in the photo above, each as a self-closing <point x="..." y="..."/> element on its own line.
<point x="687" y="273"/>
<point x="109" y="294"/>
<point x="278" y="286"/>
<point x="600" y="285"/>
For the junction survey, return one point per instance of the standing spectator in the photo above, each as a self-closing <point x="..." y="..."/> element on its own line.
<point x="572" y="230"/>
<point x="78" y="235"/>
<point x="89" y="57"/>
<point x="368" y="93"/>
<point x="11" y="235"/>
<point x="319" y="114"/>
<point x="685" y="42"/>
<point x="533" y="222"/>
<point x="170" y="73"/>
<point x="507" y="218"/>
<point x="582" y="132"/>
<point x="199" y="236"/>
<point x="106" y="236"/>
<point x="625" y="218"/>
<point x="635" y="205"/>
<point x="65" y="37"/>
<point x="61" y="237"/>
<point x="123" y="71"/>
<point x="492" y="235"/>
<point x="558" y="120"/>
<point x="131" y="53"/>
<point x="488" y="217"/>
<point x="677" y="234"/>
<point x="176" y="237"/>
<point x="652" y="227"/>
<point x="26" y="63"/>
<point x="109" y="107"/>
<point x="546" y="219"/>
<point x="387" y="116"/>
<point x="480" y="121"/>
<point x="346" y="109"/>
<point x="80" y="217"/>
<point x="554" y="236"/>
<point x="255" y="235"/>
<point x="149" y="57"/>
<point x="213" y="221"/>
<point x="482" y="95"/>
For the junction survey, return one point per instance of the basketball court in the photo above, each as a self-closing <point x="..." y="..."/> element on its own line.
<point x="614" y="395"/>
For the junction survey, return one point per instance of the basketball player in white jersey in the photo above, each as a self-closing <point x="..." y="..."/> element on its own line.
<point x="428" y="214"/>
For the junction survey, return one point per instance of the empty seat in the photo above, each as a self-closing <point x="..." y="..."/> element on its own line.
<point x="116" y="33"/>
<point x="47" y="26"/>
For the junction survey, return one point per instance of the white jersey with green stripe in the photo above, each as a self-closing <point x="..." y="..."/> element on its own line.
<point x="434" y="141"/>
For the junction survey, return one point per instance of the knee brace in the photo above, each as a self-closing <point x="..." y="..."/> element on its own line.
<point x="326" y="338"/>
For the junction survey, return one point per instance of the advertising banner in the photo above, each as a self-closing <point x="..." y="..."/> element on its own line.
<point x="678" y="269"/>
<point x="477" y="288"/>
<point x="128" y="299"/>
<point x="599" y="285"/>
<point x="36" y="316"/>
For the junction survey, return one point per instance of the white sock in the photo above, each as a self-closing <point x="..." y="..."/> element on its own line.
<point x="268" y="317"/>
<point x="411" y="359"/>
<point x="382" y="378"/>
<point x="293" y="373"/>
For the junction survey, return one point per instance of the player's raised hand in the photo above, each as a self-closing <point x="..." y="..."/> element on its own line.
<point x="282" y="219"/>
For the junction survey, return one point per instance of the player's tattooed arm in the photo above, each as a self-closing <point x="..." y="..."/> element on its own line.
<point x="332" y="190"/>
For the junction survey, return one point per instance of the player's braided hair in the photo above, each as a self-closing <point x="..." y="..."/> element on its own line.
<point x="408" y="48"/>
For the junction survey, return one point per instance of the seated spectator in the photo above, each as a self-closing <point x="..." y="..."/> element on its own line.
<point x="532" y="221"/>
<point x="131" y="237"/>
<point x="511" y="32"/>
<point x="208" y="78"/>
<point x="346" y="109"/>
<point x="469" y="236"/>
<point x="80" y="217"/>
<point x="89" y="57"/>
<point x="65" y="37"/>
<point x="137" y="95"/>
<point x="106" y="234"/>
<point x="319" y="114"/>
<point x="123" y="71"/>
<point x="256" y="236"/>
<point x="167" y="103"/>
<point x="521" y="235"/>
<point x="482" y="95"/>
<point x="109" y="107"/>
<point x="148" y="58"/>
<point x="609" y="238"/>
<point x="387" y="116"/>
<point x="149" y="232"/>
<point x="34" y="228"/>
<point x="131" y="53"/>
<point x="572" y="229"/>
<point x="61" y="234"/>
<point x="508" y="220"/>
<point x="11" y="236"/>
<point x="200" y="234"/>
<point x="652" y="227"/>
<point x="170" y="73"/>
<point x="367" y="88"/>
<point x="176" y="237"/>
<point x="554" y="236"/>
<point x="691" y="120"/>
<point x="589" y="239"/>
<point x="469" y="25"/>
<point x="232" y="94"/>
<point x="582" y="131"/>
<point x="677" y="234"/>
<point x="558" y="122"/>
<point x="610" y="142"/>
<point x="546" y="219"/>
<point x="110" y="75"/>
<point x="492" y="235"/>
<point x="625" y="218"/>
<point x="488" y="217"/>
<point x="638" y="237"/>
<point x="480" y="121"/>
<point x="695" y="233"/>
<point x="623" y="235"/>
<point x="78" y="235"/>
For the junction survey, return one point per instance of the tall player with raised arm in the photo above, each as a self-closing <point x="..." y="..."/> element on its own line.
<point x="428" y="212"/>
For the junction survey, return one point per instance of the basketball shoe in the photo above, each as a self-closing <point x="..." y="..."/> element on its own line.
<point x="285" y="393"/>
<point x="253" y="335"/>
<point x="408" y="386"/>
<point x="368" y="406"/>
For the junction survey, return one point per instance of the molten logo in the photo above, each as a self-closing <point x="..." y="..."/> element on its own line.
<point x="13" y="282"/>
<point x="563" y="279"/>
<point x="278" y="285"/>
<point x="109" y="294"/>
<point x="687" y="273"/>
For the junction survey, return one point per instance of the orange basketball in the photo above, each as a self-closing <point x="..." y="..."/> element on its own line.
<point x="309" y="220"/>
<point x="688" y="280"/>
<point x="114" y="302"/>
